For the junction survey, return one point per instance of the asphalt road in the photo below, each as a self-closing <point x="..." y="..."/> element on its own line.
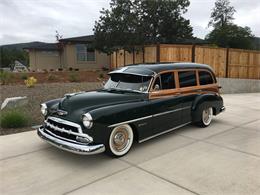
<point x="221" y="159"/>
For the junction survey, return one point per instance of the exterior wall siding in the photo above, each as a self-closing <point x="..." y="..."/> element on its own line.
<point x="40" y="60"/>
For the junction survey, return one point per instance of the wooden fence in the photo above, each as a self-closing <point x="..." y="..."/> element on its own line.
<point x="231" y="63"/>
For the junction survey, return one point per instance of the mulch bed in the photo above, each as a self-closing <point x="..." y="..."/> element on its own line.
<point x="38" y="94"/>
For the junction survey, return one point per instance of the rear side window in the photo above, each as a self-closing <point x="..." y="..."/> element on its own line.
<point x="187" y="78"/>
<point x="205" y="78"/>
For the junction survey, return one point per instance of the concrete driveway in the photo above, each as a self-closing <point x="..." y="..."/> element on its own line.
<point x="221" y="159"/>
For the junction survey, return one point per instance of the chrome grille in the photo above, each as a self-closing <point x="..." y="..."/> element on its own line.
<point x="65" y="129"/>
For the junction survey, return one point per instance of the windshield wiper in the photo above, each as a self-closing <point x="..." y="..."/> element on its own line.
<point x="121" y="90"/>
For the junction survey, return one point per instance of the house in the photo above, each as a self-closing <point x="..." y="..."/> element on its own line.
<point x="75" y="52"/>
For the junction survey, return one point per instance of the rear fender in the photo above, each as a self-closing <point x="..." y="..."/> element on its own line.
<point x="204" y="101"/>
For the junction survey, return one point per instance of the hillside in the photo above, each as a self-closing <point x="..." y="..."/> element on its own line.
<point x="20" y="46"/>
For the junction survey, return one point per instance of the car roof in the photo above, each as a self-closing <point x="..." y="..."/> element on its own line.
<point x="153" y="69"/>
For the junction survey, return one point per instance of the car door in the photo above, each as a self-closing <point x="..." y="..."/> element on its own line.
<point x="189" y="90"/>
<point x="165" y="103"/>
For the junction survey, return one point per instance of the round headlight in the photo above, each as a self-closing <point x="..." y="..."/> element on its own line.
<point x="87" y="120"/>
<point x="44" y="109"/>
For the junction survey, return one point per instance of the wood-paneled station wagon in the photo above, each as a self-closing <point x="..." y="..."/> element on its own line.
<point x="138" y="102"/>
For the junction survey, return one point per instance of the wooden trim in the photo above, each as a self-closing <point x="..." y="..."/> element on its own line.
<point x="198" y="78"/>
<point x="184" y="90"/>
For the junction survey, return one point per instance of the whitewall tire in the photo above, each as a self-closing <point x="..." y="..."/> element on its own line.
<point x="206" y="117"/>
<point x="120" y="141"/>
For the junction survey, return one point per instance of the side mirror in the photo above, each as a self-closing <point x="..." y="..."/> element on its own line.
<point x="156" y="87"/>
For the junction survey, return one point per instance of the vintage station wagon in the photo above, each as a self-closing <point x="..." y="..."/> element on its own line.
<point x="138" y="102"/>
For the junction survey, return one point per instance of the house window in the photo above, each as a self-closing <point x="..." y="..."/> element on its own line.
<point x="85" y="52"/>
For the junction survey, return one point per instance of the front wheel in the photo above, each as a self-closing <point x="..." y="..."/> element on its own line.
<point x="120" y="141"/>
<point x="206" y="117"/>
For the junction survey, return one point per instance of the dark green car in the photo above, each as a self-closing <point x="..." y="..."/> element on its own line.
<point x="138" y="102"/>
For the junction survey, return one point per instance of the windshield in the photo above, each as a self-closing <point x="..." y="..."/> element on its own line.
<point x="128" y="82"/>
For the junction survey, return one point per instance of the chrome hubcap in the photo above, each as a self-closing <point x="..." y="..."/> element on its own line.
<point x="207" y="116"/>
<point x="120" y="140"/>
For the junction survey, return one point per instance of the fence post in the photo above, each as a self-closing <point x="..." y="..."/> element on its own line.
<point x="227" y="62"/>
<point x="116" y="58"/>
<point x="133" y="55"/>
<point x="143" y="54"/>
<point x="193" y="52"/>
<point x="158" y="53"/>
<point x="124" y="57"/>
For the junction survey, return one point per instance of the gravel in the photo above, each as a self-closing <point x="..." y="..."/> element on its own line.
<point x="38" y="94"/>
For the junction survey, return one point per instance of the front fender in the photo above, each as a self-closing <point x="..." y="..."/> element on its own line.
<point x="204" y="101"/>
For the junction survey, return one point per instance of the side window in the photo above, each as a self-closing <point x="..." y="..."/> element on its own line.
<point x="205" y="78"/>
<point x="157" y="84"/>
<point x="167" y="80"/>
<point x="187" y="78"/>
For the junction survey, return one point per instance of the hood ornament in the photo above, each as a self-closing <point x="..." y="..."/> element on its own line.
<point x="62" y="112"/>
<point x="68" y="95"/>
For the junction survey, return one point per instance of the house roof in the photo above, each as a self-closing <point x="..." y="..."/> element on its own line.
<point x="152" y="69"/>
<point x="82" y="39"/>
<point x="44" y="47"/>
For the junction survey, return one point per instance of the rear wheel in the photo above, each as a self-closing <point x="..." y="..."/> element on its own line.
<point x="206" y="117"/>
<point x="120" y="141"/>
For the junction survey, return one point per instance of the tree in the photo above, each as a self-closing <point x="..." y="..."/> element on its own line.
<point x="136" y="22"/>
<point x="222" y="13"/>
<point x="225" y="33"/>
<point x="231" y="35"/>
<point x="8" y="56"/>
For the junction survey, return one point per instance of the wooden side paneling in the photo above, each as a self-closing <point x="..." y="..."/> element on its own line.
<point x="150" y="54"/>
<point x="215" y="57"/>
<point x="175" y="53"/>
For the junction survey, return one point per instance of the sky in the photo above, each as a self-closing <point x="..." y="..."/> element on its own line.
<point x="37" y="20"/>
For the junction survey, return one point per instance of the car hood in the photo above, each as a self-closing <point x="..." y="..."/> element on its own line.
<point x="87" y="101"/>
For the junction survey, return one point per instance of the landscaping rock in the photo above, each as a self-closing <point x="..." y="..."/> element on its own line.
<point x="14" y="102"/>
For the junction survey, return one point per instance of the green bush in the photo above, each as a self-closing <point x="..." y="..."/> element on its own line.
<point x="101" y="75"/>
<point x="24" y="76"/>
<point x="14" y="119"/>
<point x="5" y="77"/>
<point x="52" y="77"/>
<point x="73" y="77"/>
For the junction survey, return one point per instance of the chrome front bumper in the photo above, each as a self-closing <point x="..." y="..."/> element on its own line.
<point x="69" y="146"/>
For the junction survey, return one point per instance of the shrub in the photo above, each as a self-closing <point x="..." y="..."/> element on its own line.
<point x="101" y="75"/>
<point x="105" y="68"/>
<point x="14" y="119"/>
<point x="52" y="77"/>
<point x="30" y="82"/>
<point x="70" y="69"/>
<point x="5" y="77"/>
<point x="60" y="69"/>
<point x="24" y="76"/>
<point x="76" y="69"/>
<point x="73" y="77"/>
